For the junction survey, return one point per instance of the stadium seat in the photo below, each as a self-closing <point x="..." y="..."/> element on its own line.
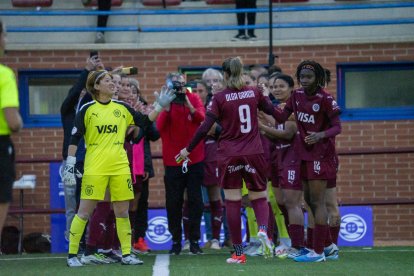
<point x="32" y="3"/>
<point x="160" y="2"/>
<point x="94" y="3"/>
<point x="220" y="2"/>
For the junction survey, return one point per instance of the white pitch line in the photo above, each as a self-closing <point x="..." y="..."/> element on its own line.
<point x="161" y="264"/>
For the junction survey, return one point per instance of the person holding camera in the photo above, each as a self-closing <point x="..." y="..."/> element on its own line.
<point x="176" y="125"/>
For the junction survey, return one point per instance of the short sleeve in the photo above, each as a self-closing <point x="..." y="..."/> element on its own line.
<point x="9" y="95"/>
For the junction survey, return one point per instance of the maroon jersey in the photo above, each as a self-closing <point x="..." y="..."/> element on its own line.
<point x="316" y="113"/>
<point x="237" y="113"/>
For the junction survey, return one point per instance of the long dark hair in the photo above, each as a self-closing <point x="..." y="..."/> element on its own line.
<point x="320" y="76"/>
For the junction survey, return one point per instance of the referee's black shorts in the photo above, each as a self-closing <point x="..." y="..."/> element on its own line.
<point x="7" y="168"/>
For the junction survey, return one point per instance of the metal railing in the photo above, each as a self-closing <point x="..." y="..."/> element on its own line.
<point x="195" y="28"/>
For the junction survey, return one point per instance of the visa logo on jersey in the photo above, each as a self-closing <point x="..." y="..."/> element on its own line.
<point x="107" y="129"/>
<point x="306" y="118"/>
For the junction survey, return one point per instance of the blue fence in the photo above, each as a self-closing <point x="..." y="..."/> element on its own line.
<point x="196" y="28"/>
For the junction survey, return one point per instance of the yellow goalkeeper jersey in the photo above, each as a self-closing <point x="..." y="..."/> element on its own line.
<point x="104" y="128"/>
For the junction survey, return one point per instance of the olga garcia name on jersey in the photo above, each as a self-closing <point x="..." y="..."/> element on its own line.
<point x="239" y="95"/>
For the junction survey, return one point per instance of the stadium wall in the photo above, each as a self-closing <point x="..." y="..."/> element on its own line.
<point x="380" y="177"/>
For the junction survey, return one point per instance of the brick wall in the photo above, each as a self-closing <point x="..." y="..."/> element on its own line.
<point x="361" y="177"/>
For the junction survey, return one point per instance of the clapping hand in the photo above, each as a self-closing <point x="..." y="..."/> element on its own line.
<point x="164" y="98"/>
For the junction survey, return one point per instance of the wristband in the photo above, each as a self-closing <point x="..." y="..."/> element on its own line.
<point x="157" y="107"/>
<point x="71" y="160"/>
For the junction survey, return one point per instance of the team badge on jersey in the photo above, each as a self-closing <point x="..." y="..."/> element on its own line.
<point x="315" y="107"/>
<point x="117" y="113"/>
<point x="74" y="130"/>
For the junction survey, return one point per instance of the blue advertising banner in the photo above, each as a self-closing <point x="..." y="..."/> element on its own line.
<point x="57" y="200"/>
<point x="159" y="238"/>
<point x="357" y="228"/>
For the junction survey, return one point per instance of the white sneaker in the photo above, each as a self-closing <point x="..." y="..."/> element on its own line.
<point x="281" y="251"/>
<point x="266" y="243"/>
<point x="186" y="245"/>
<point x="331" y="252"/>
<point x="215" y="244"/>
<point x="73" y="262"/>
<point x="96" y="258"/>
<point x="99" y="37"/>
<point x="131" y="260"/>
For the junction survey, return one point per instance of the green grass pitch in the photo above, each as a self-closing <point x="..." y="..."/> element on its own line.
<point x="353" y="261"/>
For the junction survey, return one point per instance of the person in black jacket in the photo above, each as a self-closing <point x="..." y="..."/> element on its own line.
<point x="68" y="111"/>
<point x="149" y="134"/>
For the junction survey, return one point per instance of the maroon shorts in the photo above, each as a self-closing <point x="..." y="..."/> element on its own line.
<point x="275" y="175"/>
<point x="331" y="183"/>
<point x="289" y="177"/>
<point x="251" y="168"/>
<point x="312" y="170"/>
<point x="210" y="174"/>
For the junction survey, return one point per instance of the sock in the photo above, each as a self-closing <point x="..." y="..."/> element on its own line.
<point x="319" y="235"/>
<point x="334" y="230"/>
<point x="90" y="250"/>
<point x="186" y="224"/>
<point x="238" y="248"/>
<point x="271" y="224"/>
<point x="216" y="218"/>
<point x="111" y="238"/>
<point x="296" y="233"/>
<point x="309" y="238"/>
<point x="132" y="216"/>
<point x="97" y="224"/>
<point x="285" y="214"/>
<point x="261" y="211"/>
<point x="75" y="234"/>
<point x="123" y="228"/>
<point x="234" y="220"/>
<point x="328" y="239"/>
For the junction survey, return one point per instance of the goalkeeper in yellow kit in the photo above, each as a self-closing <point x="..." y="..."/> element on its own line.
<point x="103" y="122"/>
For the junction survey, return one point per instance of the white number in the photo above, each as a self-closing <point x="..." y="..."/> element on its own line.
<point x="291" y="175"/>
<point x="316" y="166"/>
<point x="244" y="115"/>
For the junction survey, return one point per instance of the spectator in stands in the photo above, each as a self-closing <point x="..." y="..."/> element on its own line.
<point x="256" y="70"/>
<point x="240" y="152"/>
<point x="68" y="110"/>
<point x="10" y="122"/>
<point x="317" y="119"/>
<point x="241" y="18"/>
<point x="105" y="166"/>
<point x="103" y="5"/>
<point x="176" y="125"/>
<point x="274" y="69"/>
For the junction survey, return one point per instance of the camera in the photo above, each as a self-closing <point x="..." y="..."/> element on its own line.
<point x="129" y="71"/>
<point x="93" y="53"/>
<point x="177" y="86"/>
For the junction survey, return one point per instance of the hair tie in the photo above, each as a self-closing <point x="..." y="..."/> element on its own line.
<point x="100" y="75"/>
<point x="308" y="66"/>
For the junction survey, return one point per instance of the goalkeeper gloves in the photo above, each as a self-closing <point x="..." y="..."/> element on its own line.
<point x="164" y="98"/>
<point x="69" y="178"/>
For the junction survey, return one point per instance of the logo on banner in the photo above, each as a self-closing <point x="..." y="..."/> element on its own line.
<point x="353" y="228"/>
<point x="158" y="230"/>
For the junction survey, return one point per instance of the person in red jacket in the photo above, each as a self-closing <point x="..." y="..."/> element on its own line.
<point x="176" y="125"/>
